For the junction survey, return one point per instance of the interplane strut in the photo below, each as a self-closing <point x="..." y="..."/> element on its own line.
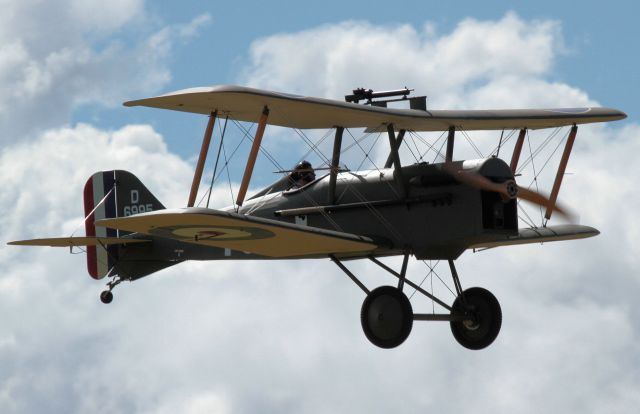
<point x="253" y="155"/>
<point x="201" y="159"/>
<point x="561" y="170"/>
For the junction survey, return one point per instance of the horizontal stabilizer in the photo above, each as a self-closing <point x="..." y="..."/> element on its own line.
<point x="543" y="235"/>
<point x="295" y="111"/>
<point x="270" y="238"/>
<point x="76" y="241"/>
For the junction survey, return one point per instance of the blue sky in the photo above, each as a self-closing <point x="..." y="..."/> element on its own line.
<point x="596" y="53"/>
<point x="285" y="336"/>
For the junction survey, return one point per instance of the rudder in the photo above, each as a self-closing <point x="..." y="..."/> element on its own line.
<point x="109" y="194"/>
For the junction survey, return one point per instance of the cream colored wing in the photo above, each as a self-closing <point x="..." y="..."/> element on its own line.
<point x="295" y="111"/>
<point x="75" y="241"/>
<point x="543" y="235"/>
<point x="256" y="235"/>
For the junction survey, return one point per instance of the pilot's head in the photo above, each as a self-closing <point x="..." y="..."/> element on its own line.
<point x="303" y="173"/>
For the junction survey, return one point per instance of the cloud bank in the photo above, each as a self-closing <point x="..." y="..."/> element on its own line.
<point x="86" y="55"/>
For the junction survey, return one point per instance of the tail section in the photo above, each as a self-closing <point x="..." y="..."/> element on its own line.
<point x="110" y="194"/>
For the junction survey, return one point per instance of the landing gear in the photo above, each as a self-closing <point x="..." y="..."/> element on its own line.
<point x="386" y="317"/>
<point x="106" y="297"/>
<point x="476" y="318"/>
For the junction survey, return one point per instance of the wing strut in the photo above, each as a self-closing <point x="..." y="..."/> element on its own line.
<point x="335" y="164"/>
<point x="517" y="150"/>
<point x="450" y="137"/>
<point x="397" y="168"/>
<point x="561" y="169"/>
<point x="399" y="139"/>
<point x="197" y="176"/>
<point x="251" y="161"/>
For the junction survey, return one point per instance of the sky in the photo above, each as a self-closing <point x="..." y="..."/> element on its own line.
<point x="285" y="336"/>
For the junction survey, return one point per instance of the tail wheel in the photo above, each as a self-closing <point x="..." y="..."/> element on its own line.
<point x="106" y="297"/>
<point x="476" y="321"/>
<point x="386" y="317"/>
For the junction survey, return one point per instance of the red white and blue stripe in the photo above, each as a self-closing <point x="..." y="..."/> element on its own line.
<point x="99" y="203"/>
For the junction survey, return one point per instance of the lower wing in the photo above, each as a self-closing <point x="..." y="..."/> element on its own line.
<point x="75" y="241"/>
<point x="239" y="232"/>
<point x="543" y="235"/>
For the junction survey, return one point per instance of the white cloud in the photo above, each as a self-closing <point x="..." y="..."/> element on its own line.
<point x="481" y="64"/>
<point x="285" y="336"/>
<point x="87" y="54"/>
<point x="98" y="16"/>
<point x="333" y="59"/>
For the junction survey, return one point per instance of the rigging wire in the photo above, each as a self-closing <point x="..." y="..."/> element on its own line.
<point x="215" y="168"/>
<point x="366" y="154"/>
<point x="430" y="147"/>
<point x="367" y="157"/>
<point x="535" y="175"/>
<point x="530" y="222"/>
<point x="432" y="272"/>
<point x="324" y="137"/>
<point x="247" y="134"/>
<point x="413" y="140"/>
<point x="226" y="168"/>
<point x="471" y="143"/>
<point x="439" y="152"/>
<point x="499" y="144"/>
<point x="508" y="138"/>
<point x="538" y="150"/>
<point x="364" y="137"/>
<point x="552" y="154"/>
<point x="433" y="302"/>
<point x="278" y="166"/>
<point x="538" y="172"/>
<point x="313" y="147"/>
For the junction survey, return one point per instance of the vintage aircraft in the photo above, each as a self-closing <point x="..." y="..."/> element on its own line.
<point x="425" y="210"/>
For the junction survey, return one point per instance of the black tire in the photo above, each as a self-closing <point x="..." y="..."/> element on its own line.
<point x="106" y="297"/>
<point x="484" y="319"/>
<point x="386" y="317"/>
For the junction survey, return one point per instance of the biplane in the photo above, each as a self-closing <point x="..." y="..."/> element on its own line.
<point x="431" y="211"/>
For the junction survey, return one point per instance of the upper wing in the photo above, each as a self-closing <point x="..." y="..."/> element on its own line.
<point x="222" y="229"/>
<point x="294" y="111"/>
<point x="543" y="235"/>
<point x="75" y="241"/>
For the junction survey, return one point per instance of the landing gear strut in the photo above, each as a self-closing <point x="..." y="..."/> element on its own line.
<point x="387" y="315"/>
<point x="106" y="296"/>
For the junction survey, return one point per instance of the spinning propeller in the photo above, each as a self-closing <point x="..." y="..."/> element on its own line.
<point x="508" y="189"/>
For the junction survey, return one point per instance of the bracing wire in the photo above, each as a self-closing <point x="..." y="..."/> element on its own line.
<point x="538" y="171"/>
<point x="215" y="168"/>
<point x="471" y="143"/>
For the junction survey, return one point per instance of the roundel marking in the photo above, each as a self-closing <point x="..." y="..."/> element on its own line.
<point x="204" y="233"/>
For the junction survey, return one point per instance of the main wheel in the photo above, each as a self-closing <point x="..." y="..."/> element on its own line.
<point x="386" y="317"/>
<point x="106" y="296"/>
<point x="482" y="318"/>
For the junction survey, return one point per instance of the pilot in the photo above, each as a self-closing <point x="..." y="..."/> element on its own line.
<point x="302" y="174"/>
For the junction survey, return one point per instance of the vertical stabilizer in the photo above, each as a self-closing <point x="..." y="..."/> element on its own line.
<point x="110" y="194"/>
